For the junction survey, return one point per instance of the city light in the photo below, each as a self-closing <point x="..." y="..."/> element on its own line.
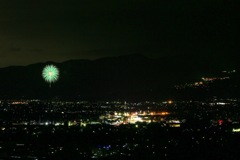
<point x="236" y="130"/>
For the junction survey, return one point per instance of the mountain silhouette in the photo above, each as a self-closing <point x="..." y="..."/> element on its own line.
<point x="129" y="77"/>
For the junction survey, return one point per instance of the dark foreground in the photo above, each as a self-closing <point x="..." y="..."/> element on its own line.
<point x="136" y="141"/>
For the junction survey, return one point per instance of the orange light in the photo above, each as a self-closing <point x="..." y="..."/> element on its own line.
<point x="170" y="102"/>
<point x="164" y="113"/>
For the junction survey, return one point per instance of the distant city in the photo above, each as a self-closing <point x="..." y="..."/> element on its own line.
<point x="53" y="129"/>
<point x="207" y="81"/>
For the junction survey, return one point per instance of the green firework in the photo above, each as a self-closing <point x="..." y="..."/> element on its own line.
<point x="50" y="73"/>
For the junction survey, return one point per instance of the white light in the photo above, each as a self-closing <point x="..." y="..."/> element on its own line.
<point x="236" y="130"/>
<point x="221" y="103"/>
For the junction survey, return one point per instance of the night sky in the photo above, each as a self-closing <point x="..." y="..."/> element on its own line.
<point x="58" y="30"/>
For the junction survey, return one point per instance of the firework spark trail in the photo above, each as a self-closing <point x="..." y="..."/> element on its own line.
<point x="50" y="74"/>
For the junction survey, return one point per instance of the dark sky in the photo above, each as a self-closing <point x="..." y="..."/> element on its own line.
<point x="58" y="30"/>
